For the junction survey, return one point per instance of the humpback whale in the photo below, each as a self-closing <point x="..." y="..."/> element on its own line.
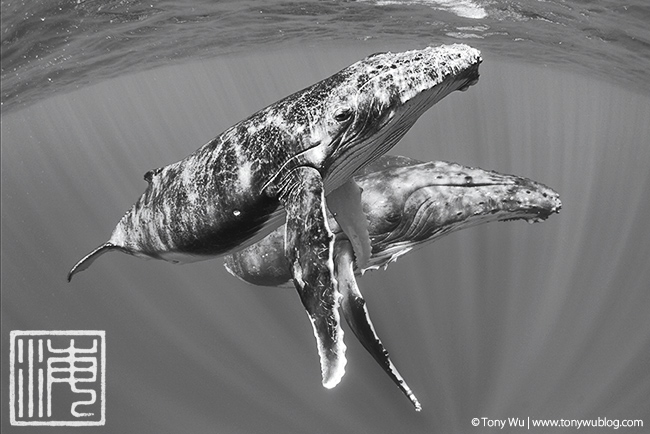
<point x="408" y="204"/>
<point x="279" y="164"/>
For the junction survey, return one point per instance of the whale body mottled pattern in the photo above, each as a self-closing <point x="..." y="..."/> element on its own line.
<point x="226" y="194"/>
<point x="409" y="203"/>
<point x="284" y="160"/>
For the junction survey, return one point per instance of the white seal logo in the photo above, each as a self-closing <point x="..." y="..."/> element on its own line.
<point x="43" y="363"/>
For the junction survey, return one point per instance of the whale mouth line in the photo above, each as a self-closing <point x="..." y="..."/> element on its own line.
<point x="409" y="103"/>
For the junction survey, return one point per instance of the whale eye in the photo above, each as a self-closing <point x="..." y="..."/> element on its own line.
<point x="343" y="114"/>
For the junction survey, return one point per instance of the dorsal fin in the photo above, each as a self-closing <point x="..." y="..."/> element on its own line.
<point x="150" y="174"/>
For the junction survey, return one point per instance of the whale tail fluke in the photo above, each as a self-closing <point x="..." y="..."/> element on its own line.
<point x="87" y="260"/>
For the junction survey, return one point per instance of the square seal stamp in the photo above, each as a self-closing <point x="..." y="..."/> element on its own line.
<point x="57" y="377"/>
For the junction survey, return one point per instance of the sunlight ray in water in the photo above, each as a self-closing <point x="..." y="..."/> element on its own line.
<point x="504" y="320"/>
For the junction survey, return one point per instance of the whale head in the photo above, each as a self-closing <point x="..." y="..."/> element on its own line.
<point x="356" y="115"/>
<point x="412" y="203"/>
<point x="382" y="96"/>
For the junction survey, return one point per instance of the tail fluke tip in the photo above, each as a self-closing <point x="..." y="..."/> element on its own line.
<point x="87" y="260"/>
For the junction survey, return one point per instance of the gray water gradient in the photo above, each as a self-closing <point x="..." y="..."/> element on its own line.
<point x="503" y="320"/>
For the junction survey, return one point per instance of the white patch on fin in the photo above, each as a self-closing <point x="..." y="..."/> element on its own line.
<point x="332" y="373"/>
<point x="345" y="205"/>
<point x="309" y="245"/>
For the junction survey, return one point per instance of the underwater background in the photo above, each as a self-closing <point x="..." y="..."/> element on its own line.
<point x="547" y="321"/>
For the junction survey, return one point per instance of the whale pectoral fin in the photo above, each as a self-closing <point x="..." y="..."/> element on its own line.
<point x="357" y="316"/>
<point x="345" y="204"/>
<point x="309" y="247"/>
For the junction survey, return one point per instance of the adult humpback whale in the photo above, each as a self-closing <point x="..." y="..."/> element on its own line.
<point x="284" y="159"/>
<point x="408" y="204"/>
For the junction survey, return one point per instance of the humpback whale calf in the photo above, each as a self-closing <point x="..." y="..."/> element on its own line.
<point x="407" y="204"/>
<point x="282" y="161"/>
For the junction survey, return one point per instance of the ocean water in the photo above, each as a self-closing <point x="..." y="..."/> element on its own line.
<point x="547" y="321"/>
<point x="51" y="46"/>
